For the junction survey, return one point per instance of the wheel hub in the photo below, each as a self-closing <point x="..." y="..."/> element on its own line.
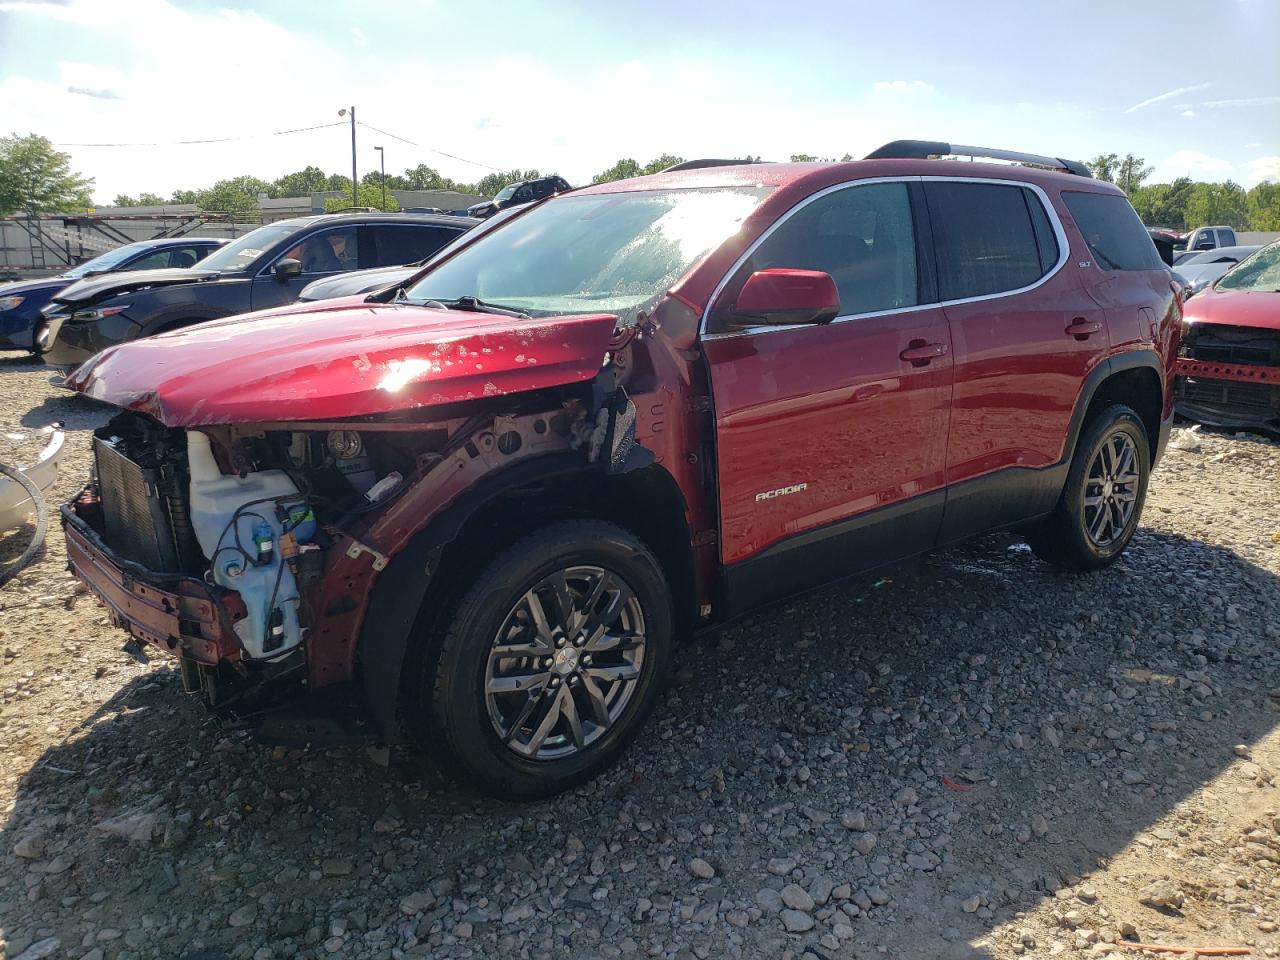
<point x="566" y="661"/>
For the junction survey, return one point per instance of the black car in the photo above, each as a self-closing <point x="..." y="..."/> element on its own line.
<point x="264" y="268"/>
<point x="20" y="302"/>
<point x="513" y="194"/>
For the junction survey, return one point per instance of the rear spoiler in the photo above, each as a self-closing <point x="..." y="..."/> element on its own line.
<point x="924" y="149"/>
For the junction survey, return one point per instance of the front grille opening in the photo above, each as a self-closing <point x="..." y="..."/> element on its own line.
<point x="1234" y="345"/>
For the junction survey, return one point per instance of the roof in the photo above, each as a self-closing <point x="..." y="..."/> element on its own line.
<point x="819" y="175"/>
<point x="434" y="219"/>
<point x="181" y="241"/>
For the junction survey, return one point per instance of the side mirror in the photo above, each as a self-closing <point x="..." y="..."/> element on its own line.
<point x="784" y="296"/>
<point x="287" y="269"/>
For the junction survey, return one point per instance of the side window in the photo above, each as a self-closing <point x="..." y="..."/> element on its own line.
<point x="1116" y="237"/>
<point x="523" y="195"/>
<point x="986" y="238"/>
<point x="1046" y="240"/>
<point x="154" y="260"/>
<point x="328" y="251"/>
<point x="1226" y="238"/>
<point x="861" y="235"/>
<point x="397" y="245"/>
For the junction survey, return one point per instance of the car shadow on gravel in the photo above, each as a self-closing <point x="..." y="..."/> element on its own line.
<point x="997" y="730"/>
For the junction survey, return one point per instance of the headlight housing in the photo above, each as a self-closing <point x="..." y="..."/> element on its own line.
<point x="10" y="303"/>
<point x="97" y="313"/>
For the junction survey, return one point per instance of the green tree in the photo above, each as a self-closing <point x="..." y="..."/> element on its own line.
<point x="36" y="178"/>
<point x="1130" y="173"/>
<point x="300" y="183"/>
<point x="423" y="177"/>
<point x="803" y="158"/>
<point x="1217" y="203"/>
<point x="1263" y="203"/>
<point x="370" y="196"/>
<point x="238" y="196"/>
<point x="1163" y="204"/>
<point x="141" y="200"/>
<point x="1103" y="166"/>
<point x="624" y="169"/>
<point x="661" y="163"/>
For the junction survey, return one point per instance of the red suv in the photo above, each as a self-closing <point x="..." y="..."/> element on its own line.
<point x="481" y="506"/>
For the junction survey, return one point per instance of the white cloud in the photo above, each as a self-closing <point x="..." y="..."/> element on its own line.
<point x="1188" y="113"/>
<point x="1263" y="168"/>
<point x="1241" y="102"/>
<point x="900" y="85"/>
<point x="1194" y="162"/>
<point x="1167" y="96"/>
<point x="358" y="36"/>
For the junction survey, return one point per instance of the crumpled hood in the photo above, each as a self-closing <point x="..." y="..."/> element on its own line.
<point x="92" y="289"/>
<point x="341" y="359"/>
<point x="1234" y="308"/>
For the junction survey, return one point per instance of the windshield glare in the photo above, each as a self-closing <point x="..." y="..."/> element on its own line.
<point x="241" y="252"/>
<point x="506" y="192"/>
<point x="608" y="253"/>
<point x="107" y="260"/>
<point x="1259" y="272"/>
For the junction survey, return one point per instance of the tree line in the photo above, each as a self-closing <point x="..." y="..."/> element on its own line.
<point x="36" y="177"/>
<point x="1186" y="203"/>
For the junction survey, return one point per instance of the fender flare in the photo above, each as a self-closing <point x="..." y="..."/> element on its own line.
<point x="1104" y="371"/>
<point x="192" y="313"/>
<point x="399" y="591"/>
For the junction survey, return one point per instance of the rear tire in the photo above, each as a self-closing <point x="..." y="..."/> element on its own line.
<point x="1101" y="502"/>
<point x="551" y="661"/>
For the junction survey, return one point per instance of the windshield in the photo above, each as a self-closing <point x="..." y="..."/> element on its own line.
<point x="609" y="253"/>
<point x="506" y="192"/>
<point x="241" y="252"/>
<point x="108" y="260"/>
<point x="1259" y="272"/>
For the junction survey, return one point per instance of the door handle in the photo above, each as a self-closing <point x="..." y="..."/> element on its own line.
<point x="920" y="352"/>
<point x="1083" y="329"/>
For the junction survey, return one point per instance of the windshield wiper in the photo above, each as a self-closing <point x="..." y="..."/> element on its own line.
<point x="474" y="305"/>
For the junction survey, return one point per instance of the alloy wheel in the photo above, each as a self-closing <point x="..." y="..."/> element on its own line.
<point x="565" y="663"/>
<point x="1111" y="489"/>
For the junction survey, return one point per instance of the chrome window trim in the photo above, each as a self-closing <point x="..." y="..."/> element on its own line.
<point x="1060" y="234"/>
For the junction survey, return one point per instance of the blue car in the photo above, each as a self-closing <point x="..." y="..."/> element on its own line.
<point x="21" y="300"/>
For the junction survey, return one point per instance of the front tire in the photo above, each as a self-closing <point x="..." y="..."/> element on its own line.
<point x="1101" y="503"/>
<point x="551" y="661"/>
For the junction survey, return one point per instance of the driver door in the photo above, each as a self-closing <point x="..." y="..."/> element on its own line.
<point x="831" y="438"/>
<point x="322" y="253"/>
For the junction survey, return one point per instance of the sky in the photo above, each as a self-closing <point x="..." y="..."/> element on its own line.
<point x="1193" y="86"/>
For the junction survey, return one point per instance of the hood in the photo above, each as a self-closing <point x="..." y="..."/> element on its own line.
<point x="1234" y="308"/>
<point x="347" y="359"/>
<point x="105" y="285"/>
<point x="41" y="285"/>
<point x="359" y="281"/>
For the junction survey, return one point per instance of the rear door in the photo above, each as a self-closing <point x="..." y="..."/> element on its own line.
<point x="1025" y="334"/>
<point x="831" y="438"/>
<point x="394" y="244"/>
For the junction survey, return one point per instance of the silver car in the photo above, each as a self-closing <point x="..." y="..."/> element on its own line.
<point x="1198" y="271"/>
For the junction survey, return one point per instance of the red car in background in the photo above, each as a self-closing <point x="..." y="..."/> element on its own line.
<point x="1229" y="366"/>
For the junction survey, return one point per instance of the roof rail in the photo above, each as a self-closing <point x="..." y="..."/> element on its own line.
<point x="701" y="164"/>
<point x="924" y="149"/>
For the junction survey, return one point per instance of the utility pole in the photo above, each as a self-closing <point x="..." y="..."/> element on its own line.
<point x="355" y="184"/>
<point x="382" y="157"/>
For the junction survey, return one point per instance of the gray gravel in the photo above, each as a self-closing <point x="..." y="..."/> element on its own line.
<point x="971" y="755"/>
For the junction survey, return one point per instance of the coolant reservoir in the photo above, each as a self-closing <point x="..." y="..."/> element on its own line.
<point x="269" y="591"/>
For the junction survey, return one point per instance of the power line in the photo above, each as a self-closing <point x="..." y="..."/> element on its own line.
<point x="474" y="163"/>
<point x="185" y="143"/>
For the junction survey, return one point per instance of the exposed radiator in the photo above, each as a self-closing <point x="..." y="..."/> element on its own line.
<point x="144" y="512"/>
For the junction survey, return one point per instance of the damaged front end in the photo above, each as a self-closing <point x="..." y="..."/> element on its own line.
<point x="1229" y="376"/>
<point x="250" y="552"/>
<point x="249" y="549"/>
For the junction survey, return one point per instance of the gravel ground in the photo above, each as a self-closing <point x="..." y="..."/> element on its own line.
<point x="973" y="756"/>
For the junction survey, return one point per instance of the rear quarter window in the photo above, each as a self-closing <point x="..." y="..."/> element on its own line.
<point x="1116" y="237"/>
